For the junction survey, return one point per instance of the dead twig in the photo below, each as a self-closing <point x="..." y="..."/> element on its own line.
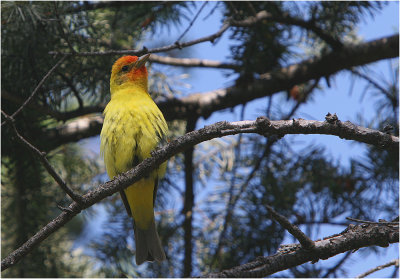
<point x="304" y="240"/>
<point x="191" y="23"/>
<point x="379" y="267"/>
<point x="371" y="222"/>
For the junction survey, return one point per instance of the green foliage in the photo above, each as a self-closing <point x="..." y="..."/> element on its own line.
<point x="261" y="48"/>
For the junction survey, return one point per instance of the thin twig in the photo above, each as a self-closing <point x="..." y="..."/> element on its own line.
<point x="212" y="10"/>
<point x="42" y="156"/>
<point x="210" y="38"/>
<point x="371" y="222"/>
<point x="304" y="240"/>
<point x="70" y="83"/>
<point x="37" y="88"/>
<point x="191" y="23"/>
<point x="229" y="213"/>
<point x="374" y="83"/>
<point x="394" y="274"/>
<point x="231" y="208"/>
<point x="380" y="267"/>
<point x="231" y="200"/>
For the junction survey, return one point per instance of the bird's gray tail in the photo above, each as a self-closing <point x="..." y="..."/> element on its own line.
<point x="148" y="245"/>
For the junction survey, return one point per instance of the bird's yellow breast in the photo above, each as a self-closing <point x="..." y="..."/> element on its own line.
<point x="133" y="126"/>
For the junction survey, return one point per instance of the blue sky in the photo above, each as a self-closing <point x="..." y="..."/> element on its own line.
<point x="327" y="100"/>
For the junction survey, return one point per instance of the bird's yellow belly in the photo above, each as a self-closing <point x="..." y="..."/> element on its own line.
<point x="126" y="142"/>
<point x="127" y="138"/>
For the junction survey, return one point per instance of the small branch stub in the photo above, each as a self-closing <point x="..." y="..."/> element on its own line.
<point x="304" y="240"/>
<point x="331" y="118"/>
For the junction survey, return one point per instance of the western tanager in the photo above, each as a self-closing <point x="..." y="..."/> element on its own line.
<point x="133" y="126"/>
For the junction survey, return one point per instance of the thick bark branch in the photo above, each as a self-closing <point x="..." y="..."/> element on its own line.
<point x="354" y="237"/>
<point x="204" y="104"/>
<point x="79" y="129"/>
<point x="83" y="127"/>
<point x="261" y="126"/>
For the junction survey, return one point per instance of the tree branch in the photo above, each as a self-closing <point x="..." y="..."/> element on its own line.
<point x="370" y="222"/>
<point x="272" y="82"/>
<point x="74" y="131"/>
<point x="353" y="237"/>
<point x="261" y="126"/>
<point x="192" y="62"/>
<point x="188" y="205"/>
<point x="193" y="20"/>
<point x="143" y="51"/>
<point x="211" y="38"/>
<point x="204" y="104"/>
<point x="304" y="240"/>
<point x="88" y="126"/>
<point x="233" y="200"/>
<point x="380" y="267"/>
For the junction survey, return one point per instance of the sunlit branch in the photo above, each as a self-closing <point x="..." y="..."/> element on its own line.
<point x="192" y="62"/>
<point x="261" y="126"/>
<point x="353" y="237"/>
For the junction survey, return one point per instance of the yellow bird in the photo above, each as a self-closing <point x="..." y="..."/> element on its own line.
<point x="133" y="127"/>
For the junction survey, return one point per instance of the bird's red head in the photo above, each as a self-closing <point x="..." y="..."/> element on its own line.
<point x="129" y="70"/>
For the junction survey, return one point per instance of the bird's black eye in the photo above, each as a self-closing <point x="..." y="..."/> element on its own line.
<point x="125" y="68"/>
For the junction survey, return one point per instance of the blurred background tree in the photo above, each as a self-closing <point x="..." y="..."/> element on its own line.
<point x="211" y="204"/>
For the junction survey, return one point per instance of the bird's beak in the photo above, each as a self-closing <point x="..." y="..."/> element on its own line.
<point x="141" y="61"/>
